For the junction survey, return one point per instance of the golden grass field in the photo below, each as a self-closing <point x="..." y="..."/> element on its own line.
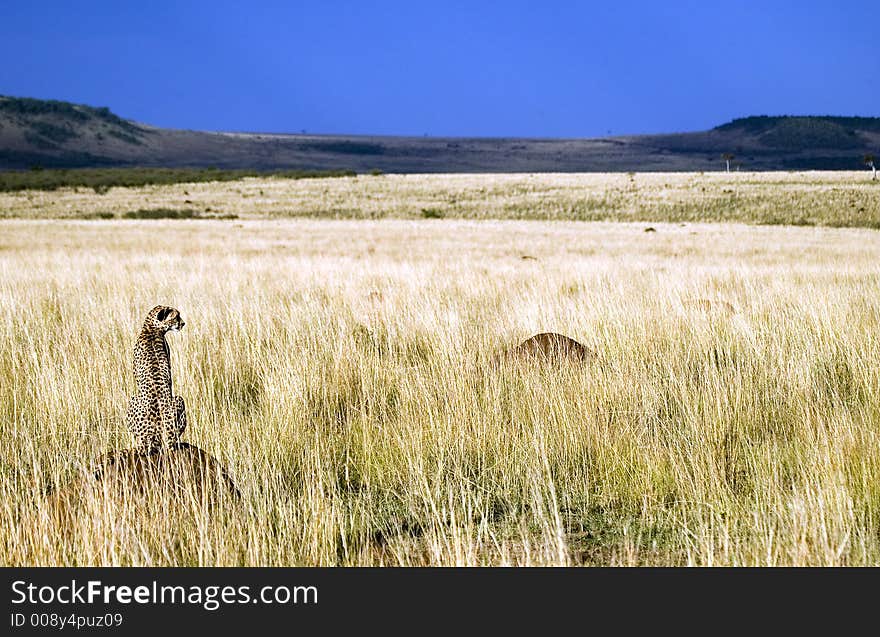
<point x="840" y="199"/>
<point x="338" y="369"/>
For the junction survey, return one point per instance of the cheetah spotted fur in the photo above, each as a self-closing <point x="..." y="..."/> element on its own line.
<point x="155" y="417"/>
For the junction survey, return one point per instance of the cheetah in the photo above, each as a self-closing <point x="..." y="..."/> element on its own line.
<point x="155" y="417"/>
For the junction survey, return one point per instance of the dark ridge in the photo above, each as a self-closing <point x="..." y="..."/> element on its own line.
<point x="823" y="163"/>
<point x="346" y="148"/>
<point x="28" y="106"/>
<point x="17" y="159"/>
<point x="762" y="123"/>
<point x="56" y="134"/>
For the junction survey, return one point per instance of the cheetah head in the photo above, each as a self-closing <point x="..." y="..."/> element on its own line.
<point x="165" y="319"/>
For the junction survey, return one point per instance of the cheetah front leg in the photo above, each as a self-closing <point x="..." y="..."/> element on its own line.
<point x="180" y="413"/>
<point x="145" y="441"/>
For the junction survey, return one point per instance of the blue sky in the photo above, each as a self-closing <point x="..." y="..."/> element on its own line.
<point x="556" y="69"/>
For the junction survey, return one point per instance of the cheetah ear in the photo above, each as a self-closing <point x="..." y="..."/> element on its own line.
<point x="163" y="314"/>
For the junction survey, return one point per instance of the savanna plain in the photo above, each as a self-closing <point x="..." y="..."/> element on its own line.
<point x="336" y="361"/>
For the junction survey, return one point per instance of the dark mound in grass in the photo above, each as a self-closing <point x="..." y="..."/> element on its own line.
<point x="183" y="475"/>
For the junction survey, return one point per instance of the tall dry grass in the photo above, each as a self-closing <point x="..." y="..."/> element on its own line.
<point x="337" y="370"/>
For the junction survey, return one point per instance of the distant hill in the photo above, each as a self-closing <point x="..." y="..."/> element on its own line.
<point x="55" y="134"/>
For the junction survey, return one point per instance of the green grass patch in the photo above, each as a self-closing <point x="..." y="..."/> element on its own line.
<point x="432" y="213"/>
<point x="101" y="179"/>
<point x="165" y="213"/>
<point x="161" y="213"/>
